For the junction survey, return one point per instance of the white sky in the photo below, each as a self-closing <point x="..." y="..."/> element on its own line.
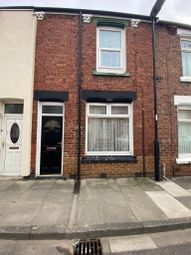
<point x="173" y="10"/>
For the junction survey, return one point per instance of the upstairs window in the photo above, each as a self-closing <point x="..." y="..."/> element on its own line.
<point x="186" y="57"/>
<point x="110" y="50"/>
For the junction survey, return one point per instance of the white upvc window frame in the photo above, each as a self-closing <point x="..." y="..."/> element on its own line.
<point x="183" y="158"/>
<point x="107" y="69"/>
<point x="185" y="78"/>
<point x="109" y="115"/>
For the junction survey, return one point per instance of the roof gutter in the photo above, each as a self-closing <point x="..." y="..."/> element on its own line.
<point x="77" y="11"/>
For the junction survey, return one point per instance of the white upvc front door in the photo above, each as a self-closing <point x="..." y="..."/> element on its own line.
<point x="12" y="144"/>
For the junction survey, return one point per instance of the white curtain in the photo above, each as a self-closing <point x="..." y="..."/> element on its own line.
<point x="110" y="40"/>
<point x="184" y="138"/>
<point x="186" y="63"/>
<point x="110" y="58"/>
<point x="108" y="134"/>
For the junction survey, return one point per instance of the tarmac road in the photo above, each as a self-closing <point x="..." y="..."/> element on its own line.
<point x="162" y="243"/>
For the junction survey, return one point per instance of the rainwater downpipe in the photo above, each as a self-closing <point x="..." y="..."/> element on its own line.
<point x="79" y="80"/>
<point x="156" y="141"/>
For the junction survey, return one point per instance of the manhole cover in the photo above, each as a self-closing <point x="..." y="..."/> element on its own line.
<point x="90" y="246"/>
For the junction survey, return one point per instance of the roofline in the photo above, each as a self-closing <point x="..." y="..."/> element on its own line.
<point x="76" y="11"/>
<point x="172" y="23"/>
<point x="15" y="8"/>
<point x="96" y="12"/>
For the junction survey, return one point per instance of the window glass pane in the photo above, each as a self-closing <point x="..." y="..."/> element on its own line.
<point x="110" y="58"/>
<point x="184" y="114"/>
<point x="184" y="138"/>
<point x="110" y="39"/>
<point x="119" y="110"/>
<point x="97" y="109"/>
<point x="14" y="108"/>
<point x="185" y="44"/>
<point x="52" y="109"/>
<point x="186" y="63"/>
<point x="109" y="135"/>
<point x="14" y="133"/>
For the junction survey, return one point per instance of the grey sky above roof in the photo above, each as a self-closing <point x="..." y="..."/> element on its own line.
<point x="172" y="10"/>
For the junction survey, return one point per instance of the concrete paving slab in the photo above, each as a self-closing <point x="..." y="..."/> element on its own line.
<point x="145" y="209"/>
<point x="43" y="247"/>
<point x="51" y="214"/>
<point x="126" y="181"/>
<point x="88" y="213"/>
<point x="9" y="196"/>
<point x="20" y="214"/>
<point x="133" y="191"/>
<point x="65" y="185"/>
<point x="183" y="181"/>
<point x="112" y="199"/>
<point x="133" y="243"/>
<point x="115" y="214"/>
<point x="58" y="196"/>
<point x="5" y="207"/>
<point x="34" y="195"/>
<point x="174" y="189"/>
<point x="6" y="247"/>
<point x="186" y="201"/>
<point x="5" y="185"/>
<point x="168" y="204"/>
<point x="172" y="237"/>
<point x="20" y="186"/>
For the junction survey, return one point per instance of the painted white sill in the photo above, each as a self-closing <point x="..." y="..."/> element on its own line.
<point x="183" y="160"/>
<point x="185" y="78"/>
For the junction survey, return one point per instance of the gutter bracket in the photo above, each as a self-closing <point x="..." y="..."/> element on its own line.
<point x="39" y="15"/>
<point x="135" y="22"/>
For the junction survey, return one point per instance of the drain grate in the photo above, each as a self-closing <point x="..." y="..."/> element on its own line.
<point x="89" y="247"/>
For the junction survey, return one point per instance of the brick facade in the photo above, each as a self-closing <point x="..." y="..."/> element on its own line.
<point x="56" y="70"/>
<point x="169" y="72"/>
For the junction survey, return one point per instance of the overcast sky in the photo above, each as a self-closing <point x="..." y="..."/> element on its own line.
<point x="173" y="10"/>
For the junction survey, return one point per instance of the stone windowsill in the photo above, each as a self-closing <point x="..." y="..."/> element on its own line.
<point x="109" y="159"/>
<point x="185" y="79"/>
<point x="183" y="160"/>
<point x="97" y="73"/>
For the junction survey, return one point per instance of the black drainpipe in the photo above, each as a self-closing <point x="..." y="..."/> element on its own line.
<point x="156" y="141"/>
<point x="79" y="63"/>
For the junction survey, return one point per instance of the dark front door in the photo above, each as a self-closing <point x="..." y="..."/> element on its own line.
<point x="51" y="145"/>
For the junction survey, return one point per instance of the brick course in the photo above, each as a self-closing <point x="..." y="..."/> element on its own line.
<point x="169" y="72"/>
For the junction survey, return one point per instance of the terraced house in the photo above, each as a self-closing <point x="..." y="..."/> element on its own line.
<point x="77" y="95"/>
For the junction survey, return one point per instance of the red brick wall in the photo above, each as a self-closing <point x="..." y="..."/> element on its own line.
<point x="169" y="72"/>
<point x="56" y="69"/>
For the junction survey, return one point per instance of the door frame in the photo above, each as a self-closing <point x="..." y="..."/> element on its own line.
<point x="3" y="137"/>
<point x="39" y="136"/>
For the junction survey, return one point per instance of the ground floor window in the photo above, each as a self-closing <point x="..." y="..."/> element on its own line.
<point x="184" y="131"/>
<point x="109" y="129"/>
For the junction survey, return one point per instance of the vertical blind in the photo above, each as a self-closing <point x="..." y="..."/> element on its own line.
<point x="186" y="57"/>
<point x="184" y="131"/>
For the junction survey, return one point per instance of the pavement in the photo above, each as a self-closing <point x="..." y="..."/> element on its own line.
<point x="63" y="209"/>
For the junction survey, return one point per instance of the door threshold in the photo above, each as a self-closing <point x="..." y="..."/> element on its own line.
<point x="49" y="177"/>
